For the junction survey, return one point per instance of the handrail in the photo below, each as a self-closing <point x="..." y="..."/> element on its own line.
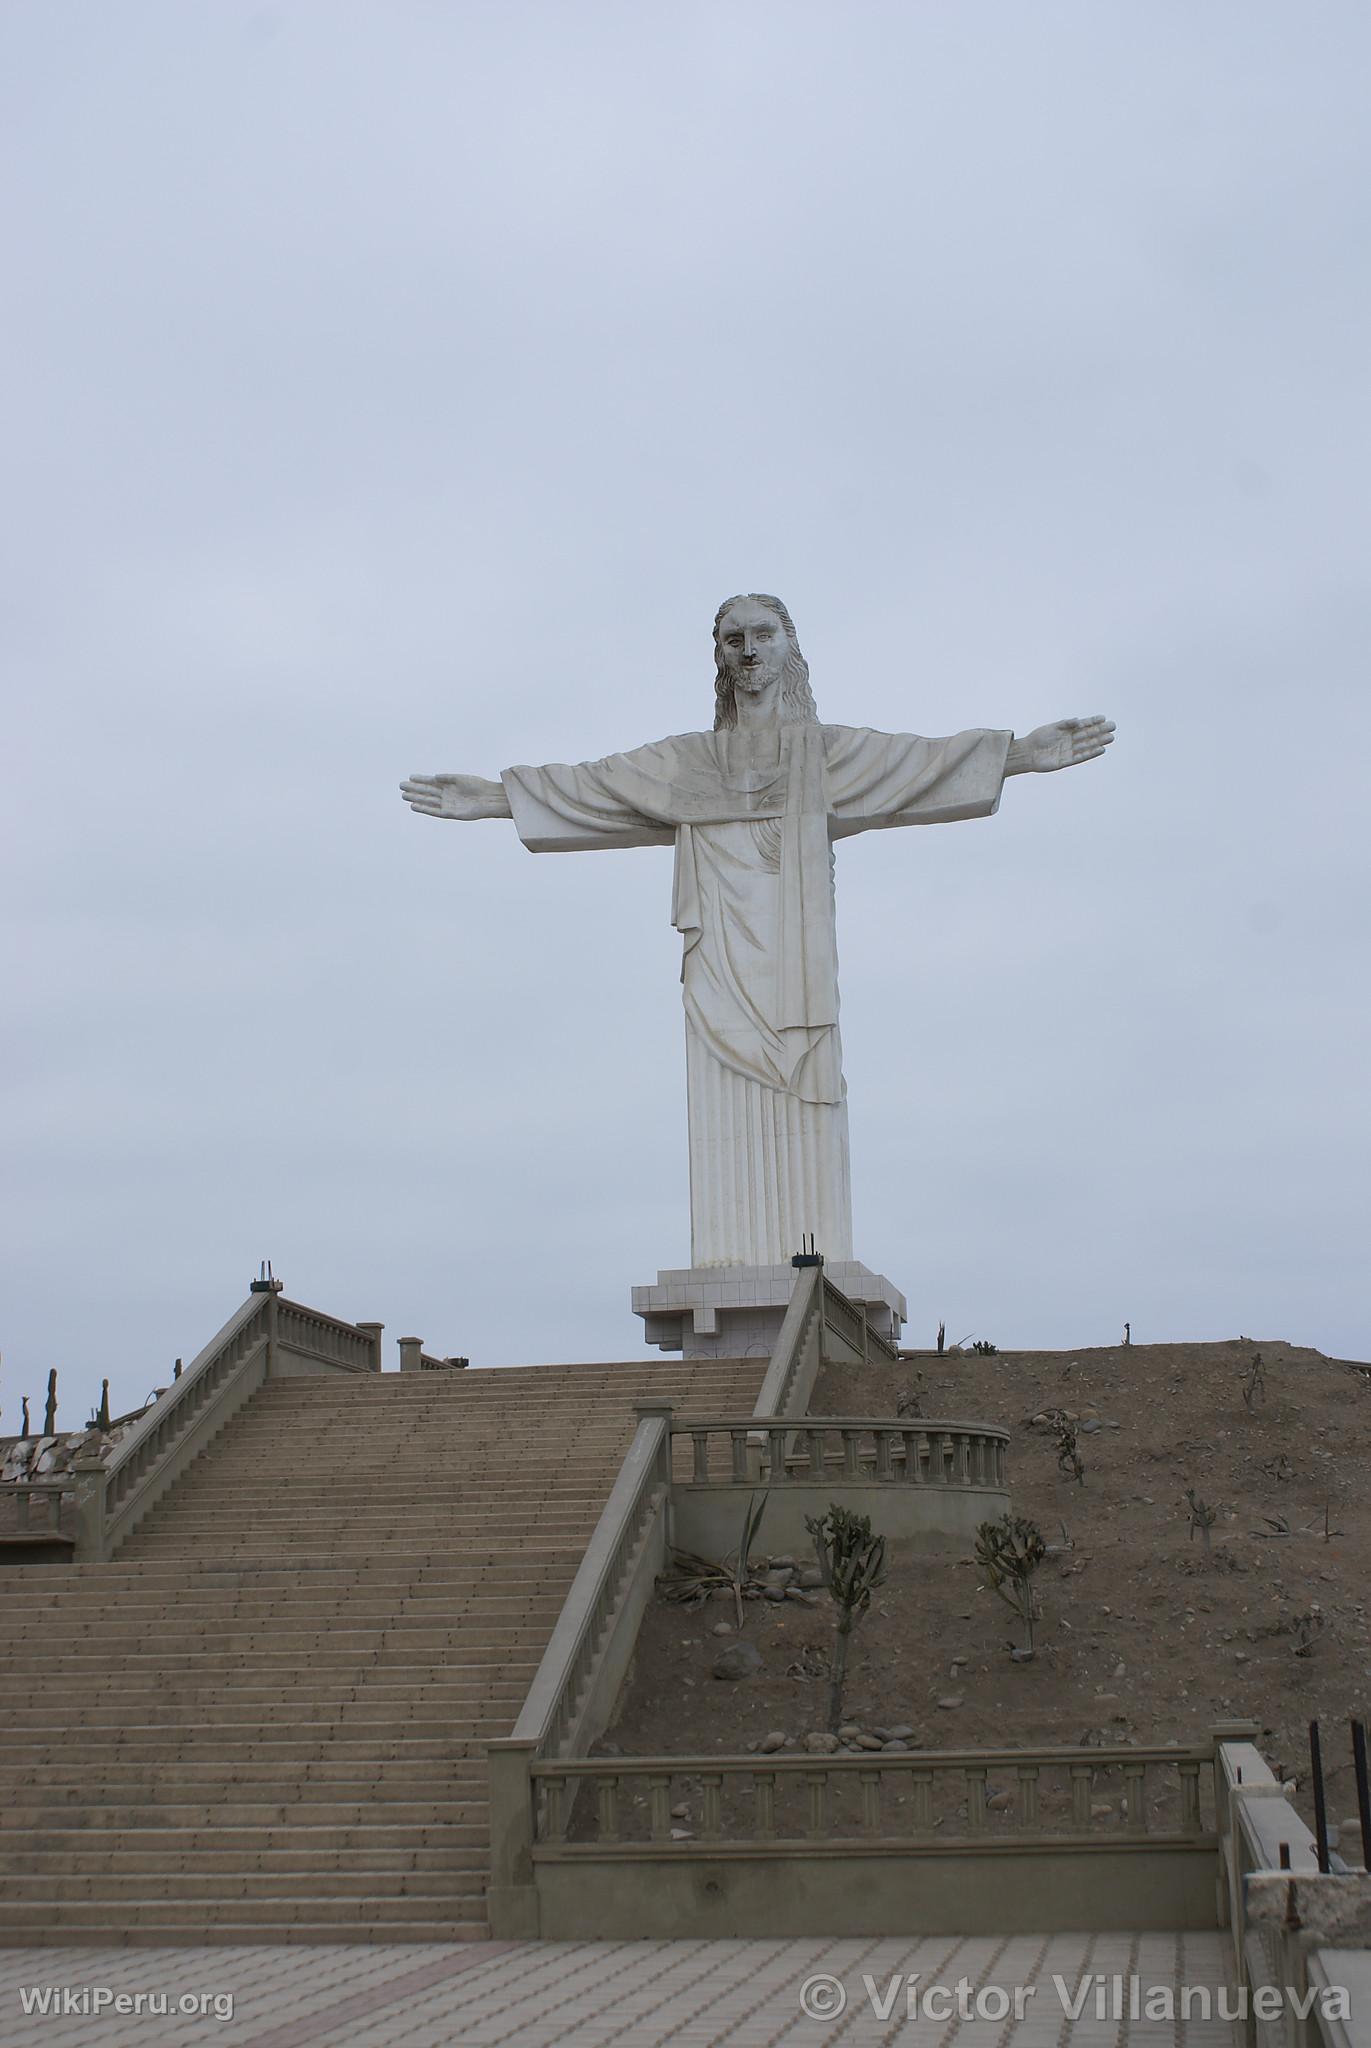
<point x="573" y="1688"/>
<point x="113" y="1495"/>
<point x="849" y="1320"/>
<point x="777" y="1393"/>
<point x="551" y="1711"/>
<point x="182" y="1393"/>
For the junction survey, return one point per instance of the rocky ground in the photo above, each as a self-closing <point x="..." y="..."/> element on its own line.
<point x="1145" y="1634"/>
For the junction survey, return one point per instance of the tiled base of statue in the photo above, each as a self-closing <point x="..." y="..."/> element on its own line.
<point x="737" y="1311"/>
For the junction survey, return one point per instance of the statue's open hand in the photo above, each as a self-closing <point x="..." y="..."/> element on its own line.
<point x="1063" y="745"/>
<point x="455" y="796"/>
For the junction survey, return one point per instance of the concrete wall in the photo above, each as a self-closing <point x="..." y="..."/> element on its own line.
<point x="852" y="1888"/>
<point x="708" y="1519"/>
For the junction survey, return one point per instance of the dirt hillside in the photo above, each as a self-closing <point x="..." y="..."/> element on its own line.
<point x="1144" y="1634"/>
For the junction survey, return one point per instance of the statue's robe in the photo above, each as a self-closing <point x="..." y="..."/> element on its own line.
<point x="753" y="816"/>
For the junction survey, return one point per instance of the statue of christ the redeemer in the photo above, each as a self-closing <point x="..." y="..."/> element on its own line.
<point x="752" y="809"/>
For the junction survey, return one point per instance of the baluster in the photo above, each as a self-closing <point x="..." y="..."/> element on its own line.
<point x="871" y="1798"/>
<point x="1080" y="1795"/>
<point x="700" y="1439"/>
<point x="883" y="1454"/>
<point x="659" y="1807"/>
<point x="910" y="1440"/>
<point x="975" y="1799"/>
<point x="776" y="1453"/>
<point x="964" y="1458"/>
<point x="764" y="1796"/>
<point x="554" y="1809"/>
<point x="850" y="1454"/>
<point x="711" y="1805"/>
<point x="1028" y="1795"/>
<point x="1137" y="1802"/>
<point x="921" y="1799"/>
<point x="817" y="1782"/>
<point x="607" y="1793"/>
<point x="1190" y="1797"/>
<point x="737" y="1440"/>
<point x="978" y="1461"/>
<point x="937" y="1470"/>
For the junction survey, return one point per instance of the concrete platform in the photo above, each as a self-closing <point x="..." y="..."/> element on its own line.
<point x="737" y="1311"/>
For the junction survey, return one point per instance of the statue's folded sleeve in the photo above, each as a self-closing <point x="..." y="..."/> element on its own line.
<point x="877" y="779"/>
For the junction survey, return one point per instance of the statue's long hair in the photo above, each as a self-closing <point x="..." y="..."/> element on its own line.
<point x="797" y="699"/>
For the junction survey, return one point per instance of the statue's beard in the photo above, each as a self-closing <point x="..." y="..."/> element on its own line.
<point x="753" y="680"/>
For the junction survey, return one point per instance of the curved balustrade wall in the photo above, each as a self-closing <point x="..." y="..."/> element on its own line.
<point x="930" y="1481"/>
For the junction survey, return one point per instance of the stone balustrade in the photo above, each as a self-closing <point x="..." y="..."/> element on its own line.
<point x="307" y="1334"/>
<point x="847" y="1320"/>
<point x="773" y="1450"/>
<point x="930" y="1482"/>
<point x="952" y="1842"/>
<point x="945" y="1796"/>
<point x="268" y="1337"/>
<point x="587" y="1657"/>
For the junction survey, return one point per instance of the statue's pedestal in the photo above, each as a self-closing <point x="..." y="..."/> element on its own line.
<point x="737" y="1311"/>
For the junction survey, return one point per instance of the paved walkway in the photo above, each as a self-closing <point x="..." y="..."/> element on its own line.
<point x="642" y="1994"/>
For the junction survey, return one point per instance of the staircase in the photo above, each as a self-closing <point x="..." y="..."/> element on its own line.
<point x="266" y="1719"/>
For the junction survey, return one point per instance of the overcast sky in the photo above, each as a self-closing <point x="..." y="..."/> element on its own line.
<point x="399" y="387"/>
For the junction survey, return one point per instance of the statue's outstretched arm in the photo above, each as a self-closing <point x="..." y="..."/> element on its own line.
<point x="1063" y="745"/>
<point x="456" y="796"/>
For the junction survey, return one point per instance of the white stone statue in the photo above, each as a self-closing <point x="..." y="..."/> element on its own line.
<point x="753" y="808"/>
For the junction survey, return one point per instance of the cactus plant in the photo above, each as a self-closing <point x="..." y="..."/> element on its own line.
<point x="852" y="1562"/>
<point x="1009" y="1552"/>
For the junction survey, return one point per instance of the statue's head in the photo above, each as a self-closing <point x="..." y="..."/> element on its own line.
<point x="754" y="641"/>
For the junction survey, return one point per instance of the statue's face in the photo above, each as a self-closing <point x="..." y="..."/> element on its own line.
<point x="753" y="645"/>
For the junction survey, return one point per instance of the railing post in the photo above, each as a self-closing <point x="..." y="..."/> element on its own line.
<point x="273" y="1321"/>
<point x="512" y="1896"/>
<point x="89" y="1473"/>
<point x="375" y="1331"/>
<point x="645" y="1412"/>
<point x="411" y="1351"/>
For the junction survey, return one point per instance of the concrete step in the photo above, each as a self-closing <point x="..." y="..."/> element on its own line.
<point x="99" y="1848"/>
<point x="343" y="1565"/>
<point x="263" y="1662"/>
<point x="423" y="1709"/>
<point x="76" y="1807"/>
<point x="128" y="1911"/>
<point x="207" y="1616"/>
<point x="262" y="1780"/>
<point x="54" y="1710"/>
<point x="324" y="1877"/>
<point x="60" y="1585"/>
<point x="322" y="1745"/>
<point x="230" y="1932"/>
<point x="409" y="1636"/>
<point x="223" y="1661"/>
